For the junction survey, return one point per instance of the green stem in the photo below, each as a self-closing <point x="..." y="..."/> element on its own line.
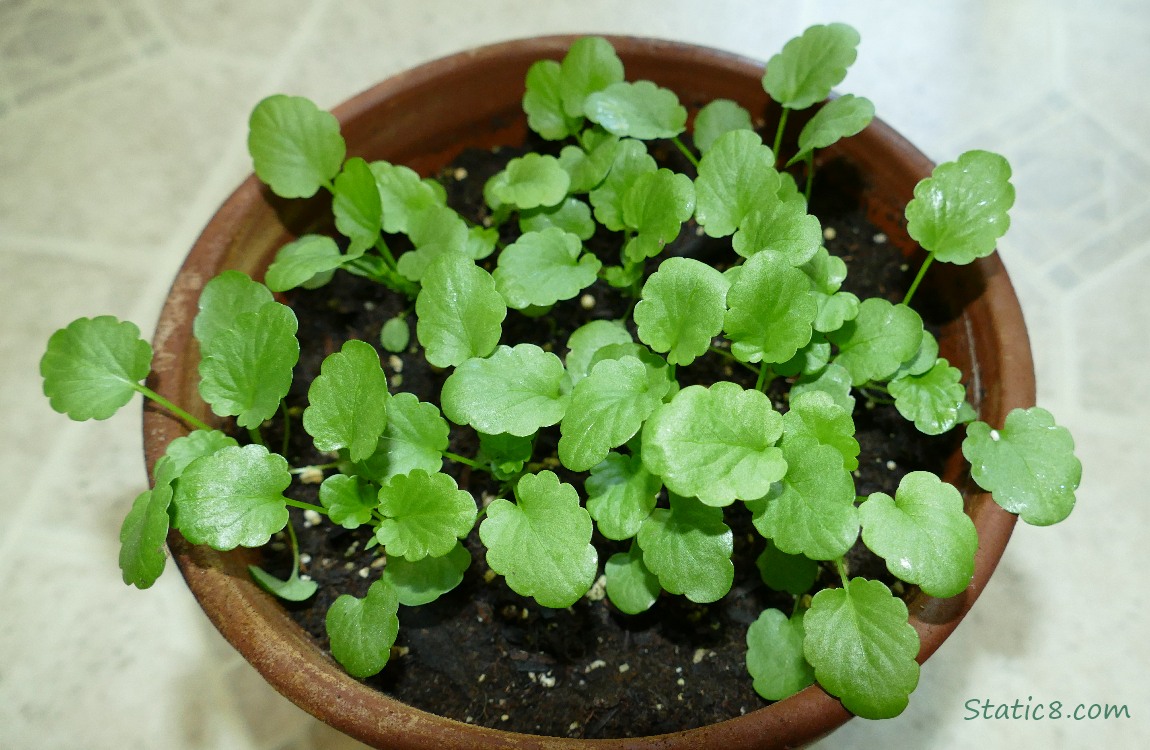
<point x="287" y="426"/>
<point x="841" y="566"/>
<point x="732" y="357"/>
<point x="463" y="460"/>
<point x="294" y="547"/>
<point x="256" y="436"/>
<point x="918" y="279"/>
<point x="306" y="506"/>
<point x="779" y="133"/>
<point x="314" y="467"/>
<point x="766" y="375"/>
<point x="810" y="176"/>
<point x="385" y="253"/>
<point x="185" y="416"/>
<point x="685" y="151"/>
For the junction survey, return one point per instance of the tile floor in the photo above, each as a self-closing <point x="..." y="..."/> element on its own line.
<point x="122" y="125"/>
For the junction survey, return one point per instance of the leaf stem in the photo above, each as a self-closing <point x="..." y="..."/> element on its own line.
<point x="766" y="375"/>
<point x="779" y="133"/>
<point x="723" y="352"/>
<point x="313" y="467"/>
<point x="810" y="160"/>
<point x="306" y="506"/>
<point x="464" y="460"/>
<point x="918" y="279"/>
<point x="256" y="436"/>
<point x="841" y="566"/>
<point x="190" y="420"/>
<point x="685" y="151"/>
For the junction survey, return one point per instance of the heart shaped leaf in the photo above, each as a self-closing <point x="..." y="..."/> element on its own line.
<point x="688" y="548"/>
<point x="794" y="574"/>
<point x="589" y="338"/>
<point x="515" y="390"/>
<point x="630" y="161"/>
<point x="817" y="415"/>
<point x="781" y="225"/>
<point x="736" y="176"/>
<point x="682" y="309"/>
<point x="424" y="515"/>
<point x="224" y="298"/>
<point x="590" y="65"/>
<point x="770" y="310"/>
<point x="415" y="438"/>
<point x="459" y="310"/>
<point x="931" y="400"/>
<point x="542" y="268"/>
<point x="402" y="194"/>
<point x="362" y="631"/>
<point x="775" y="655"/>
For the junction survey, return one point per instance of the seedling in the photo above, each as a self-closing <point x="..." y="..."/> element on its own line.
<point x="664" y="459"/>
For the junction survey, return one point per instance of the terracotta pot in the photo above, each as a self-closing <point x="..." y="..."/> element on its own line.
<point x="424" y="117"/>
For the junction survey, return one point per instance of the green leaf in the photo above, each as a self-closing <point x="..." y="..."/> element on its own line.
<point x="395" y="334"/>
<point x="931" y="400"/>
<point x="834" y="380"/>
<point x="589" y="338"/>
<point x="716" y="118"/>
<point x="770" y="310"/>
<point x="187" y="448"/>
<point x="506" y="454"/>
<point x="590" y="65"/>
<point x="878" y="340"/>
<point x="1028" y="466"/>
<point x="542" y="268"/>
<point x="142" y="536"/>
<point x="307" y="262"/>
<point x="631" y="587"/>
<point x="783" y="226"/>
<point x="348" y="401"/>
<point x="621" y="494"/>
<point x="572" y="215"/>
<point x="415" y="438"/>
<point x="223" y="299"/>
<point x="542" y="542"/>
<point x="424" y="515"/>
<point x="247" y="370"/>
<point x="794" y="574"/>
<point x="362" y="631"/>
<point x="92" y="367"/>
<point x="296" y="148"/>
<point x="839" y="118"/>
<point x="459" y="312"/>
<point x="350" y="500"/>
<point x="587" y="168"/>
<point x="924" y="359"/>
<point x="961" y="209"/>
<point x="533" y="180"/>
<point x="655" y="206"/>
<point x="435" y="232"/>
<point x="775" y="655"/>
<point x="630" y="161"/>
<point x="736" y="176"/>
<point x="808" y="361"/>
<point x="402" y="194"/>
<point x="810" y="65"/>
<point x="515" y="390"/>
<point x="543" y="102"/>
<point x="356" y="204"/>
<point x="422" y="582"/>
<point x="717" y="443"/>
<point x="816" y="414"/>
<point x="233" y="498"/>
<point x="607" y="409"/>
<point x="294" y="589"/>
<point x="682" y="309"/>
<point x="812" y="511"/>
<point x="639" y="110"/>
<point x="922" y="533"/>
<point x="689" y="548"/>
<point x="863" y="648"/>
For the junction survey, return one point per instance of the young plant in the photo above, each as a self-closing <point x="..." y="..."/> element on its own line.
<point x="664" y="460"/>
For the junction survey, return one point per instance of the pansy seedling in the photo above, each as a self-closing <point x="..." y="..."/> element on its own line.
<point x="296" y="147"/>
<point x="775" y="655"/>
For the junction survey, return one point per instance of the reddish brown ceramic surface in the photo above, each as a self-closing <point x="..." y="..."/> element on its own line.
<point x="423" y="118"/>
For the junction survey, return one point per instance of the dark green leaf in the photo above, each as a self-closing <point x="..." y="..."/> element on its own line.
<point x="348" y="401"/>
<point x="794" y="574"/>
<point x="356" y="204"/>
<point x="459" y="312"/>
<point x="621" y="494"/>
<point x="93" y="367"/>
<point x="419" y="583"/>
<point x="630" y="585"/>
<point x="811" y="65"/>
<point x="350" y="500"/>
<point x="930" y="400"/>
<point x="775" y="655"/>
<point x="362" y="631"/>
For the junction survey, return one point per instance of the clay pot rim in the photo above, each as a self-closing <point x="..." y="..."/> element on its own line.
<point x="290" y="661"/>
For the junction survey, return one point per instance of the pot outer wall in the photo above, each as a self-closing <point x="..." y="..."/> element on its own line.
<point x="424" y="118"/>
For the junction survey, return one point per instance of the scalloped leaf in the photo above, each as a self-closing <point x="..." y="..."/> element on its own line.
<point x="589" y="338"/>
<point x="810" y="65"/>
<point x="590" y="65"/>
<point x="350" y="500"/>
<point x="630" y="161"/>
<point x="1028" y="466"/>
<point x="308" y="262"/>
<point x="542" y="268"/>
<point x="459" y="312"/>
<point x="422" y="582"/>
<point x="631" y="587"/>
<point x="541" y="543"/>
<point x="839" y="118"/>
<point x="362" y="631"/>
<point x="588" y="165"/>
<point x="863" y="648"/>
<point x="736" y="176"/>
<point x="403" y="195"/>
<point x="637" y="109"/>
<point x="296" y="147"/>
<point x="816" y="414"/>
<point x="572" y="216"/>
<point x="922" y="533"/>
<point x="781" y="225"/>
<point x="682" y="308"/>
<point x="435" y="232"/>
<point x="94" y="366"/>
<point x="543" y="102"/>
<point x="621" y="494"/>
<point x="424" y="515"/>
<point x="881" y="337"/>
<point x="770" y="310"/>
<point x="775" y="655"/>
<point x="415" y="438"/>
<point x="225" y="297"/>
<point x="655" y="206"/>
<point x="960" y="211"/>
<point x="348" y="401"/>
<point x="516" y="390"/>
<point x="533" y="180"/>
<point x="931" y="400"/>
<point x="688" y="547"/>
<point x="716" y="443"/>
<point x="717" y="117"/>
<point x="142" y="535"/>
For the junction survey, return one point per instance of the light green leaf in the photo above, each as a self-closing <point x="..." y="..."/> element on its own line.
<point x="770" y="310"/>
<point x="402" y="194"/>
<point x="630" y="161"/>
<point x="187" y="448"/>
<point x="296" y="148"/>
<point x="607" y="409"/>
<point x="515" y="390"/>
<point x="506" y="454"/>
<point x="717" y="443"/>
<point x="533" y="180"/>
<point x="541" y="543"/>
<point x="878" y="340"/>
<point x="783" y="226"/>
<point x="621" y="494"/>
<point x="812" y="511"/>
<point x="961" y="209"/>
<point x="716" y="118"/>
<point x="639" y="110"/>
<point x="588" y="339"/>
<point x="817" y="415"/>
<point x="395" y="334"/>
<point x="424" y="515"/>
<point x="435" y="232"/>
<point x="542" y="268"/>
<point x="92" y="367"/>
<point x="356" y="204"/>
<point x="682" y="309"/>
<point x="572" y="215"/>
<point x="689" y="548"/>
<point x="736" y="176"/>
<point x="810" y="65"/>
<point x="543" y="102"/>
<point x="349" y="500"/>
<point x="142" y="536"/>
<point x="362" y="631"/>
<point x="794" y="574"/>
<point x="931" y="400"/>
<point x="233" y="497"/>
<point x="775" y="655"/>
<point x="922" y="533"/>
<point x="294" y="589"/>
<point x="863" y="648"/>
<point x="348" y="401"/>
<point x="223" y="299"/>
<point x="1028" y="466"/>
<point x="459" y="312"/>
<point x="588" y="165"/>
<point x="834" y="380"/>
<point x="247" y="370"/>
<point x="590" y="65"/>
<point x="307" y="262"/>
<point x="655" y="206"/>
<point x="631" y="587"/>
<point x="415" y="438"/>
<point x="924" y="359"/>
<point x="422" y="582"/>
<point x="808" y="361"/>
<point x="839" y="118"/>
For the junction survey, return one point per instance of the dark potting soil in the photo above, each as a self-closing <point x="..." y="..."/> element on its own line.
<point x="485" y="655"/>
